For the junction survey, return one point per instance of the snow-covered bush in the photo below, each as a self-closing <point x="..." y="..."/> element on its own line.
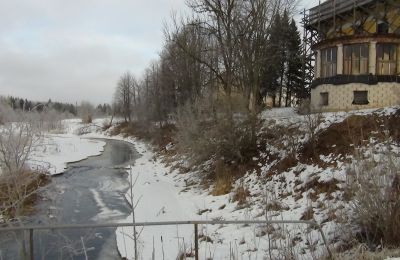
<point x="17" y="141"/>
<point x="376" y="205"/>
<point x="17" y="183"/>
<point x="86" y="112"/>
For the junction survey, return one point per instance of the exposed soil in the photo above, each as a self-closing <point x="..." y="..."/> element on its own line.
<point x="338" y="140"/>
<point x="341" y="139"/>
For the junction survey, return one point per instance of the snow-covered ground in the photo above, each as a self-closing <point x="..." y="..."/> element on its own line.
<point x="165" y="195"/>
<point x="162" y="193"/>
<point x="54" y="151"/>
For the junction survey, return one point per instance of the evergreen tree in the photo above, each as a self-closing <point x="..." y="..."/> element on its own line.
<point x="274" y="64"/>
<point x="295" y="84"/>
<point x="283" y="70"/>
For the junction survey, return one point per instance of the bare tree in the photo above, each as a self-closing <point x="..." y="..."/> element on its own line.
<point x="6" y="111"/>
<point x="86" y="111"/>
<point x="126" y="95"/>
<point x="216" y="20"/>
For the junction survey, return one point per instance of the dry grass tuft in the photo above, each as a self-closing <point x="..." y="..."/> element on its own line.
<point x="241" y="194"/>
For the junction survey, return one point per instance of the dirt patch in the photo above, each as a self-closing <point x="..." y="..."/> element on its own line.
<point x="284" y="165"/>
<point x="342" y="138"/>
<point x="319" y="187"/>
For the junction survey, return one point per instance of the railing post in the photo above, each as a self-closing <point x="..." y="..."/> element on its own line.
<point x="196" y="242"/>
<point x="325" y="241"/>
<point x="31" y="244"/>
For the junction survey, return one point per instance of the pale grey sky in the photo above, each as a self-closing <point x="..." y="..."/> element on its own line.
<point x="73" y="50"/>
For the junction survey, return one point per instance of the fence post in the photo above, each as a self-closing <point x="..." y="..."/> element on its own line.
<point x="196" y="242"/>
<point x="31" y="244"/>
<point x="325" y="240"/>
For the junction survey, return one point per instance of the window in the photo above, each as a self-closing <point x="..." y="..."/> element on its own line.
<point x="382" y="27"/>
<point x="386" y="59"/>
<point x="355" y="59"/>
<point x="360" y="98"/>
<point x="328" y="62"/>
<point x="324" y="98"/>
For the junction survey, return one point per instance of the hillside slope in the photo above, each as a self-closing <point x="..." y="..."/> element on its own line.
<point x="307" y="168"/>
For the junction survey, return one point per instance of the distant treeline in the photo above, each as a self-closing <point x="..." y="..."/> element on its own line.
<point x="17" y="103"/>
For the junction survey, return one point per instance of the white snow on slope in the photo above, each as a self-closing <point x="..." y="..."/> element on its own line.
<point x="165" y="197"/>
<point x="56" y="150"/>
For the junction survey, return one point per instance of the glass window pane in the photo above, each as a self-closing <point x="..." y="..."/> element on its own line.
<point x="379" y="51"/>
<point x="347" y="52"/>
<point x="356" y="59"/>
<point x="364" y="51"/>
<point x="392" y="52"/>
<point x="328" y="62"/>
<point x="358" y="50"/>
<point x="386" y="53"/>
<point x="392" y="68"/>
<point x="355" y="67"/>
<point x="360" y="97"/>
<point x="386" y="59"/>
<point x="364" y="66"/>
<point x="347" y="66"/>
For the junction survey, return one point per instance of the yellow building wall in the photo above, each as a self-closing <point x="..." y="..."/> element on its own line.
<point x="341" y="96"/>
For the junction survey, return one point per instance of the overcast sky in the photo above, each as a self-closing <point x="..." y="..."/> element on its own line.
<point x="73" y="50"/>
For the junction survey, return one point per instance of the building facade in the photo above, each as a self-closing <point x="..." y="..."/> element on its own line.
<point x="357" y="50"/>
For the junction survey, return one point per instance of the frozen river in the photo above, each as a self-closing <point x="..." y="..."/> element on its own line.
<point x="89" y="191"/>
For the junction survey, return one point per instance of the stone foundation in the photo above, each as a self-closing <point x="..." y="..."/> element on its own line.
<point x="341" y="97"/>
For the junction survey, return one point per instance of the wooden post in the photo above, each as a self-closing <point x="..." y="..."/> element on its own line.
<point x="325" y="241"/>
<point x="196" y="242"/>
<point x="31" y="244"/>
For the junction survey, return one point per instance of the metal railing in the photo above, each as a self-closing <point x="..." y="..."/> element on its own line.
<point x="195" y="224"/>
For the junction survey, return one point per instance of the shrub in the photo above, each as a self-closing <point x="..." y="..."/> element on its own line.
<point x="304" y="107"/>
<point x="17" y="141"/>
<point x="18" y="192"/>
<point x="376" y="203"/>
<point x="86" y="112"/>
<point x="219" y="128"/>
<point x="222" y="179"/>
<point x="240" y="194"/>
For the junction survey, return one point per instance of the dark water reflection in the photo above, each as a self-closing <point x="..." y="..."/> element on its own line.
<point x="90" y="191"/>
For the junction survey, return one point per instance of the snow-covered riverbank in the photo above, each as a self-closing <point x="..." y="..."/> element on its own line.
<point x="162" y="193"/>
<point x="56" y="150"/>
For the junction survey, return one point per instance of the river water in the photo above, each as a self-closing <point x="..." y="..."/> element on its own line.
<point x="89" y="191"/>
